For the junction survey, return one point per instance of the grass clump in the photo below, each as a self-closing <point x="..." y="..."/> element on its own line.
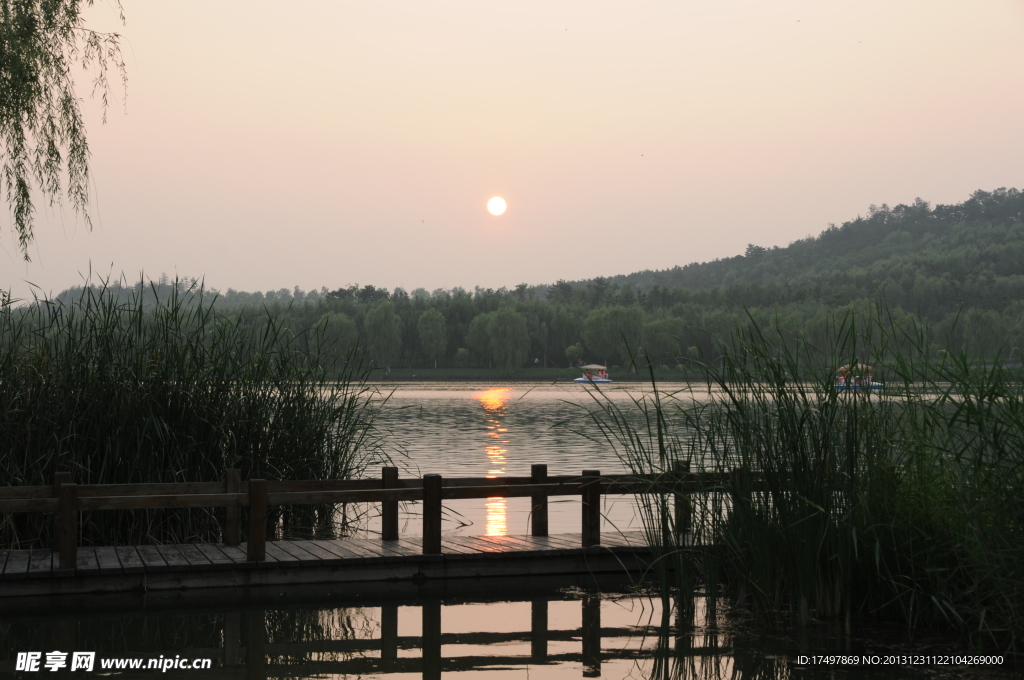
<point x="115" y="388"/>
<point x="900" y="505"/>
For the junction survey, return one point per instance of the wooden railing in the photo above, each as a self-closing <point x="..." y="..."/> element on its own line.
<point x="66" y="500"/>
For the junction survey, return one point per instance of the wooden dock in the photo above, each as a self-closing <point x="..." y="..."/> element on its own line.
<point x="69" y="568"/>
<point x="112" y="569"/>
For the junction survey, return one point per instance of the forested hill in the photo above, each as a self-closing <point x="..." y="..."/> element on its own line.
<point x="922" y="259"/>
<point x="957" y="269"/>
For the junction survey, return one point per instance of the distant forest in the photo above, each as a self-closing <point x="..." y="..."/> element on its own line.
<point x="956" y="270"/>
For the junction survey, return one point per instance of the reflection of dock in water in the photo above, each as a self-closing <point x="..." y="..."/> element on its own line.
<point x="249" y="642"/>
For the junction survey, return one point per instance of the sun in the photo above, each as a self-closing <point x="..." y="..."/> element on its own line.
<point x="496" y="205"/>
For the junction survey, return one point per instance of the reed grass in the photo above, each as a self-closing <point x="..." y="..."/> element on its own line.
<point x="115" y="388"/>
<point x="903" y="505"/>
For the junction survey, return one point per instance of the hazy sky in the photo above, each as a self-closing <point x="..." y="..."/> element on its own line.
<point x="270" y="144"/>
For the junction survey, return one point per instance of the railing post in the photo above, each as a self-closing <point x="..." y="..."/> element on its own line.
<point x="681" y="499"/>
<point x="233" y="514"/>
<point x="67" y="508"/>
<point x="58" y="479"/>
<point x="431" y="514"/>
<point x="389" y="509"/>
<point x="539" y="475"/>
<point x="257" y="549"/>
<point x="591" y="508"/>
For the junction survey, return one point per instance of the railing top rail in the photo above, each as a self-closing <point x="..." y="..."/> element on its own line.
<point x="306" y="492"/>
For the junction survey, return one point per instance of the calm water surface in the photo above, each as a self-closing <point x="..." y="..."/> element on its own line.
<point x="473" y="629"/>
<point x="471" y="430"/>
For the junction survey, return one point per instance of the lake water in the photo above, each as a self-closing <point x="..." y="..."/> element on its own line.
<point x="477" y="628"/>
<point x="480" y="430"/>
<point x="526" y="628"/>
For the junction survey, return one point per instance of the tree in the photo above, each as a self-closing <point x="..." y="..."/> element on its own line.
<point x="384" y="332"/>
<point x="338" y="331"/>
<point x="573" y="353"/>
<point x="509" y="338"/>
<point x="478" y="338"/>
<point x="41" y="126"/>
<point x="433" y="334"/>
<point x="462" y="356"/>
<point x="614" y="330"/>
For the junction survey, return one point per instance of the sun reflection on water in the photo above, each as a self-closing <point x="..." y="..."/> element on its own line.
<point x="495" y="403"/>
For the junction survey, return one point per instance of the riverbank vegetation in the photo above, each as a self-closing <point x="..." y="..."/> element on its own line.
<point x="115" y="388"/>
<point x="901" y="505"/>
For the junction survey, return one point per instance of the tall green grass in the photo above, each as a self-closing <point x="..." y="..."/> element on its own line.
<point x="904" y="505"/>
<point x="115" y="389"/>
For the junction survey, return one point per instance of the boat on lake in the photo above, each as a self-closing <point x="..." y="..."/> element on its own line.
<point x="856" y="377"/>
<point x="593" y="373"/>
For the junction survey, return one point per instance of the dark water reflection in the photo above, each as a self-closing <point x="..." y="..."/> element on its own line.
<point x="533" y="628"/>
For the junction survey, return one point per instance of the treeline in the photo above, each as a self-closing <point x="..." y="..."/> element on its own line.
<point x="957" y="271"/>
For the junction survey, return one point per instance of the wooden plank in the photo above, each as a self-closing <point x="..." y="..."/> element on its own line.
<point x="209" y="500"/>
<point x="520" y="543"/>
<point x="28" y="505"/>
<point x="326" y="557"/>
<point x="359" y="496"/>
<point x="342" y="547"/>
<point x="196" y="559"/>
<point x="509" y="543"/>
<point x="152" y="561"/>
<point x="106" y="555"/>
<point x="473" y="543"/>
<point x="150" y="489"/>
<point x="391" y="548"/>
<point x="400" y="547"/>
<point x="563" y="541"/>
<point x="283" y="557"/>
<point x="624" y="539"/>
<point x="218" y="560"/>
<point x="131" y="563"/>
<point x="512" y="491"/>
<point x="373" y="547"/>
<point x="86" y="563"/>
<point x="173" y="557"/>
<point x="17" y="564"/>
<point x="449" y="546"/>
<point x="15" y="492"/>
<point x="235" y="553"/>
<point x="266" y="557"/>
<point x="40" y="563"/>
<point x="306" y="558"/>
<point x="305" y="486"/>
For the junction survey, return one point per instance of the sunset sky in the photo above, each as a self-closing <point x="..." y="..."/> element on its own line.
<point x="267" y="145"/>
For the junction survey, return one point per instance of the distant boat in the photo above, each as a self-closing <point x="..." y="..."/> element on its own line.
<point x="592" y="373"/>
<point x="856" y="377"/>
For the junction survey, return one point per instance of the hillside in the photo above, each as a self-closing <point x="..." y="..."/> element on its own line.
<point x="926" y="260"/>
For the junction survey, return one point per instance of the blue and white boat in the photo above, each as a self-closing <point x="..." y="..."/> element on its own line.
<point x="856" y="378"/>
<point x="592" y="373"/>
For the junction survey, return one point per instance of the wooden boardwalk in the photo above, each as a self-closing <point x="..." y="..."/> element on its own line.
<point x="142" y="568"/>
